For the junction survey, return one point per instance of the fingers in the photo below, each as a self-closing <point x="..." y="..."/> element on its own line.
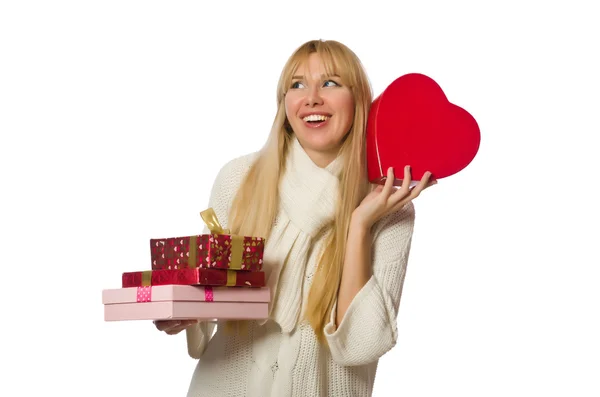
<point x="406" y="194"/>
<point x="163" y="325"/>
<point x="172" y="327"/>
<point x="176" y="330"/>
<point x="404" y="189"/>
<point x="422" y="185"/>
<point x="389" y="199"/>
<point x="407" y="178"/>
<point x="388" y="187"/>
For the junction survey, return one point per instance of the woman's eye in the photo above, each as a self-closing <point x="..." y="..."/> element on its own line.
<point x="330" y="83"/>
<point x="297" y="84"/>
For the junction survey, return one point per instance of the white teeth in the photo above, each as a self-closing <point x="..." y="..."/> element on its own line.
<point x="315" y="117"/>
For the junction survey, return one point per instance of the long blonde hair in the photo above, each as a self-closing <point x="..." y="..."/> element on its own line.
<point x="256" y="203"/>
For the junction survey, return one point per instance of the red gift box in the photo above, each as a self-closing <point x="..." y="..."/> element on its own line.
<point x="212" y="277"/>
<point x="206" y="251"/>
<point x="218" y="250"/>
<point x="413" y="123"/>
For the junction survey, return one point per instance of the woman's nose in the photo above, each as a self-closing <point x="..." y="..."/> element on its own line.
<point x="313" y="97"/>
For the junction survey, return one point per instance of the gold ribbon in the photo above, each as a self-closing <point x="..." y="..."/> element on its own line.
<point x="231" y="278"/>
<point x="209" y="217"/>
<point x="192" y="251"/>
<point x="237" y="249"/>
<point x="237" y="242"/>
<point x="146" y="278"/>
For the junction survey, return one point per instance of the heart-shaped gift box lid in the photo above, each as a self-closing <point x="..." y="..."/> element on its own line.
<point x="413" y="123"/>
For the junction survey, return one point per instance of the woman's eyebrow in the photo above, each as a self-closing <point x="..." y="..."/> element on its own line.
<point x="323" y="76"/>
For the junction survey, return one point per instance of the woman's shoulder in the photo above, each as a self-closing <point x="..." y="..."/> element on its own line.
<point x="240" y="163"/>
<point x="227" y="182"/>
<point x="232" y="172"/>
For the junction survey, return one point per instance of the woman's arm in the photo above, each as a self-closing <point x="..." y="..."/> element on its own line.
<point x="363" y="322"/>
<point x="356" y="271"/>
<point x="378" y="204"/>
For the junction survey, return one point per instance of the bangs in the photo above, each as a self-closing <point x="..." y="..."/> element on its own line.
<point x="334" y="59"/>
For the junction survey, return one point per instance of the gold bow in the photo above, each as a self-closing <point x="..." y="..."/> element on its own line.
<point x="209" y="217"/>
<point x="237" y="242"/>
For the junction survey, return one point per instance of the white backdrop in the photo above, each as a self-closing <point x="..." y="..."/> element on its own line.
<point x="115" y="117"/>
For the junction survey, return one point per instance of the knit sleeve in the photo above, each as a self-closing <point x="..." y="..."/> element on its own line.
<point x="222" y="193"/>
<point x="369" y="327"/>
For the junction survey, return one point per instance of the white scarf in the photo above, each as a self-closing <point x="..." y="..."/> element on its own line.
<point x="308" y="196"/>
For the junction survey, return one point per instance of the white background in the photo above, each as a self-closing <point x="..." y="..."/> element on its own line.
<point x="115" y="117"/>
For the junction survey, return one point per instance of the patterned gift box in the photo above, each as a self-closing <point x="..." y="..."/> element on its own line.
<point x="181" y="302"/>
<point x="214" y="277"/>
<point x="218" y="250"/>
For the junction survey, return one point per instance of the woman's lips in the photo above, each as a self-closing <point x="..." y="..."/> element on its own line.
<point x="316" y="124"/>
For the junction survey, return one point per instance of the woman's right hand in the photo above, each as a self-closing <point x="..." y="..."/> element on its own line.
<point x="172" y="327"/>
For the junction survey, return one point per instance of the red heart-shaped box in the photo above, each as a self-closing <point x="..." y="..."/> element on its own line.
<point x="413" y="123"/>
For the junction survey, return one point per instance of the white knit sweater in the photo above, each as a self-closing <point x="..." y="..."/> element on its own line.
<point x="265" y="361"/>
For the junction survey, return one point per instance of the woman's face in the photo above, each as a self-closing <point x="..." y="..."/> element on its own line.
<point x="320" y="110"/>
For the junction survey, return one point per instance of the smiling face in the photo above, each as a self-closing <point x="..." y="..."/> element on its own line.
<point x="320" y="109"/>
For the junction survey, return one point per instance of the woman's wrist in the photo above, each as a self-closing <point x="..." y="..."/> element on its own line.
<point x="358" y="225"/>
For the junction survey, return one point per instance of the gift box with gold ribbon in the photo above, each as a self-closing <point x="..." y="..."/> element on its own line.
<point x="217" y="250"/>
<point x="196" y="276"/>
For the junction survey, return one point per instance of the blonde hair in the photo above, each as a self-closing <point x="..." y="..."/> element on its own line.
<point x="256" y="203"/>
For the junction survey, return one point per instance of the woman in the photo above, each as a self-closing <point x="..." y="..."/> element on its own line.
<point x="336" y="250"/>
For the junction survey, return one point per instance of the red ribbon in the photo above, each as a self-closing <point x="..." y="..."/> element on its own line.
<point x="208" y="294"/>
<point x="144" y="294"/>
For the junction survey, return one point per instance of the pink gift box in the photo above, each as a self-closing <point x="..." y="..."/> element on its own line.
<point x="181" y="302"/>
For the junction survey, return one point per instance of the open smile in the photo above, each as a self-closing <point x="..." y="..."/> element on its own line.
<point x="316" y="120"/>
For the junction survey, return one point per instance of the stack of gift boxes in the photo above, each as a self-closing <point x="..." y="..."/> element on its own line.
<point x="209" y="276"/>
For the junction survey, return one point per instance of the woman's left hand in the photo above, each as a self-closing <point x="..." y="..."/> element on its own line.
<point x="386" y="199"/>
